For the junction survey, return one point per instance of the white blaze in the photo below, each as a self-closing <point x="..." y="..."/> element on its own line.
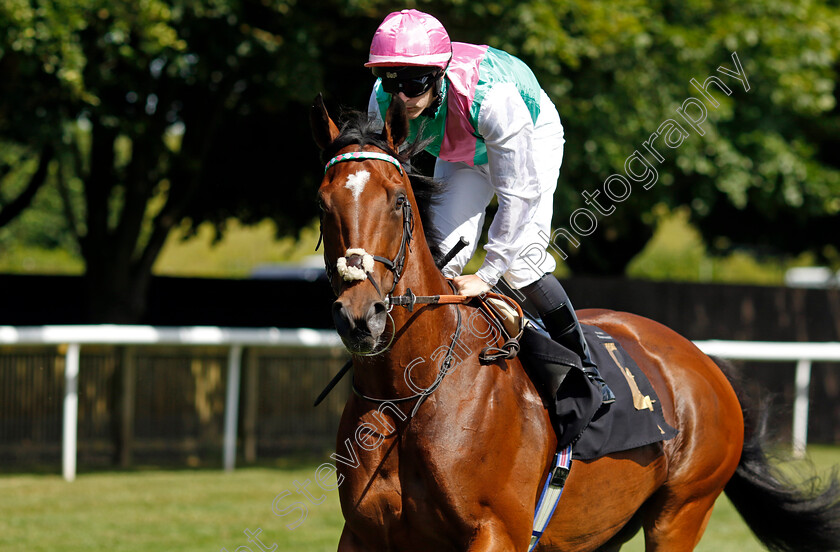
<point x="356" y="183"/>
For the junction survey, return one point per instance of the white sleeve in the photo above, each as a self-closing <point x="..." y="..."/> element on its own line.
<point x="373" y="111"/>
<point x="506" y="126"/>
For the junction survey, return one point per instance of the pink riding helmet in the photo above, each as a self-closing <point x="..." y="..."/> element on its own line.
<point x="410" y="37"/>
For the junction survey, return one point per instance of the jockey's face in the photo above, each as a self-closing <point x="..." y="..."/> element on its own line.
<point x="415" y="106"/>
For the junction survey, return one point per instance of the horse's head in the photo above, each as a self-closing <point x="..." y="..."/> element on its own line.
<point x="367" y="221"/>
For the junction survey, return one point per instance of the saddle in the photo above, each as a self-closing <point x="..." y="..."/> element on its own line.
<point x="572" y="399"/>
<point x="635" y="418"/>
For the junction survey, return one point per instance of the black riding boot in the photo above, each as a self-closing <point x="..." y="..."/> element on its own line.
<point x="562" y="324"/>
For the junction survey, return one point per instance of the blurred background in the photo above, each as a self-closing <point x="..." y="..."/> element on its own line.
<point x="156" y="167"/>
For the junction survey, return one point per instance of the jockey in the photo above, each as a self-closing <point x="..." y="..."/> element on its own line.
<point x="494" y="131"/>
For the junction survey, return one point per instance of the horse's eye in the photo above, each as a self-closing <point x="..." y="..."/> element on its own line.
<point x="400" y="201"/>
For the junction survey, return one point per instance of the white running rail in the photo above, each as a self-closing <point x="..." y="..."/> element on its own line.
<point x="74" y="337"/>
<point x="804" y="354"/>
<point x="234" y="338"/>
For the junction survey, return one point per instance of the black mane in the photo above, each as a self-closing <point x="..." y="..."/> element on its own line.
<point x="360" y="129"/>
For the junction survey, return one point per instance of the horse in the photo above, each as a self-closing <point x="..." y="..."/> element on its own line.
<point x="437" y="451"/>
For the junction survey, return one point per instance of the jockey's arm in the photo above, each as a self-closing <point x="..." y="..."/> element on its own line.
<point x="507" y="128"/>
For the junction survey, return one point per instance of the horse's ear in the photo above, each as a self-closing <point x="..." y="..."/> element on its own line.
<point x="396" y="123"/>
<point x="324" y="130"/>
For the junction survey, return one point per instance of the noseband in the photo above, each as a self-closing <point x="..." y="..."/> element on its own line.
<point x="355" y="257"/>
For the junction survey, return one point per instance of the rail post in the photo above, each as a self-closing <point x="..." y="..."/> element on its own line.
<point x="232" y="406"/>
<point x="71" y="412"/>
<point x="800" y="407"/>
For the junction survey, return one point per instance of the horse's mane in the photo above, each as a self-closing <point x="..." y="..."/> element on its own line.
<point x="360" y="129"/>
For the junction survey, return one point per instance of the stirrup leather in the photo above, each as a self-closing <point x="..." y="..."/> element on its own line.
<point x="551" y="492"/>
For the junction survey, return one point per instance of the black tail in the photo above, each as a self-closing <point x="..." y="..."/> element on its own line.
<point x="789" y="510"/>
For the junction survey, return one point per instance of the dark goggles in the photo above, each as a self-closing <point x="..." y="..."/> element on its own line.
<point x="411" y="81"/>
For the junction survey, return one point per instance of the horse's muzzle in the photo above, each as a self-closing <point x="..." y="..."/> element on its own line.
<point x="360" y="334"/>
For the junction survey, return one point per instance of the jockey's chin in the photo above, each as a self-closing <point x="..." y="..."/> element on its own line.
<point x="413" y="112"/>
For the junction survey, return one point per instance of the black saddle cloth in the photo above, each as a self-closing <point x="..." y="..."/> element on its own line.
<point x="635" y="419"/>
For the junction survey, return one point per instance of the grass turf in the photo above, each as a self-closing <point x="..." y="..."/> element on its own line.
<point x="192" y="511"/>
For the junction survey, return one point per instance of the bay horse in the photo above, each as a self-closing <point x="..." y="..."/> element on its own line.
<point x="438" y="452"/>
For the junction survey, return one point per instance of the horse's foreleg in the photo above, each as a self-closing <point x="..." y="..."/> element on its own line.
<point x="349" y="542"/>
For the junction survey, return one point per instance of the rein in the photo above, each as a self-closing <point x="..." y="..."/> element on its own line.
<point x="442" y="371"/>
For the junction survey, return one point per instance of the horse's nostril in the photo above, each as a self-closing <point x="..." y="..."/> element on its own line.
<point x="376" y="318"/>
<point x="342" y="319"/>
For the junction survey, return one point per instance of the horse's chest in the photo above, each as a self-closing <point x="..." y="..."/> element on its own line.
<point x="436" y="481"/>
<point x="393" y="497"/>
<point x="388" y="481"/>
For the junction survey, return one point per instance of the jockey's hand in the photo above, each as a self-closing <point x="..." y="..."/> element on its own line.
<point x="471" y="285"/>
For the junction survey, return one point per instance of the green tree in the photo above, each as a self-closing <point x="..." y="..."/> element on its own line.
<point x="22" y="175"/>
<point x="144" y="115"/>
<point x="764" y="174"/>
<point x="159" y="112"/>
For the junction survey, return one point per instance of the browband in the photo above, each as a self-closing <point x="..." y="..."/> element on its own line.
<point x="361" y="156"/>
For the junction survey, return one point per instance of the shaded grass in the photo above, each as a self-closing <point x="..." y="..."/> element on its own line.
<point x="161" y="510"/>
<point x="186" y="511"/>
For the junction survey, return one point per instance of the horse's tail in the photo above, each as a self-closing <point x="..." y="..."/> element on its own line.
<point x="790" y="509"/>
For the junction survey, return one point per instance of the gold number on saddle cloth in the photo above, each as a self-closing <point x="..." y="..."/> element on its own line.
<point x="640" y="402"/>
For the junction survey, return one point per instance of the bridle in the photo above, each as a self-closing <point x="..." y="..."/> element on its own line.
<point x="407" y="300"/>
<point x="396" y="265"/>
